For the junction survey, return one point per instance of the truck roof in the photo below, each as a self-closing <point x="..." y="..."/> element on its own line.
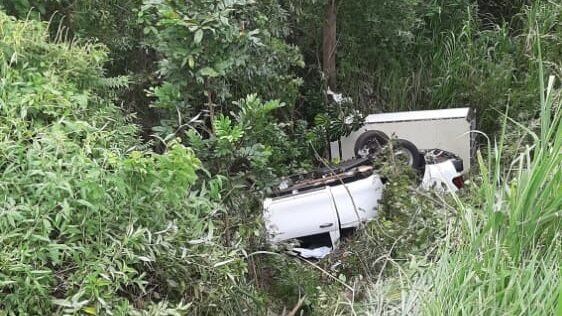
<point x="418" y="115"/>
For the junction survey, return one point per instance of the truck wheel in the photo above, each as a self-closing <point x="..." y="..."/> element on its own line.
<point x="409" y="153"/>
<point x="369" y="143"/>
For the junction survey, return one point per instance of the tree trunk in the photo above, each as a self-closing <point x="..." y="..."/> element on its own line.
<point x="329" y="45"/>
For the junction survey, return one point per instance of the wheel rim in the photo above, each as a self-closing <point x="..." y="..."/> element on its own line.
<point x="370" y="148"/>
<point x="406" y="155"/>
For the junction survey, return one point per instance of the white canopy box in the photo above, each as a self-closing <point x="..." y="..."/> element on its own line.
<point x="447" y="129"/>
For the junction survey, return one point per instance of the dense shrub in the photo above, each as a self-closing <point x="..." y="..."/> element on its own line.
<point x="213" y="53"/>
<point x="91" y="221"/>
<point x="412" y="55"/>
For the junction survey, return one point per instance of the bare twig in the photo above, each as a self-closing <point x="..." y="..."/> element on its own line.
<point x="341" y="181"/>
<point x="295" y="309"/>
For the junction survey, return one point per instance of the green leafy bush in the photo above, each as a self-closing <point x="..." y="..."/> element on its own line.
<point x="252" y="144"/>
<point x="410" y="222"/>
<point x="90" y="221"/>
<point x="214" y="52"/>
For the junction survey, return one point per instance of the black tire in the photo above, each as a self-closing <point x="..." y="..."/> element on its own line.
<point x="413" y="157"/>
<point x="369" y="143"/>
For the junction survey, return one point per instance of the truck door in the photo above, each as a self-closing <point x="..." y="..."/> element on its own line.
<point x="357" y="201"/>
<point x="301" y="215"/>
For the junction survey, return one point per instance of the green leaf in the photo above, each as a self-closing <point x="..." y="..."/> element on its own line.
<point x="208" y="72"/>
<point x="198" y="36"/>
<point x="91" y="310"/>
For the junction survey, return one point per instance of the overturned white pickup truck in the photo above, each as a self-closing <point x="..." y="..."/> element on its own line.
<point x="319" y="206"/>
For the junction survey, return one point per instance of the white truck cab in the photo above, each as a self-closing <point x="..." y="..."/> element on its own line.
<point x="324" y="206"/>
<point x="328" y="201"/>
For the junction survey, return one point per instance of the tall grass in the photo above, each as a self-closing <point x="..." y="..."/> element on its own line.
<point x="509" y="259"/>
<point x="503" y="253"/>
<point x="457" y="57"/>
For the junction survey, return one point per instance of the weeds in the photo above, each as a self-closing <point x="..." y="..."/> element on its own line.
<point x="502" y="254"/>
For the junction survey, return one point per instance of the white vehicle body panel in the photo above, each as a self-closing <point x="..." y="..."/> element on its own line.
<point x="366" y="195"/>
<point x="418" y="115"/>
<point x="332" y="208"/>
<point x="440" y="176"/>
<point x="322" y="211"/>
<point x="300" y="215"/>
<point x="448" y="129"/>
